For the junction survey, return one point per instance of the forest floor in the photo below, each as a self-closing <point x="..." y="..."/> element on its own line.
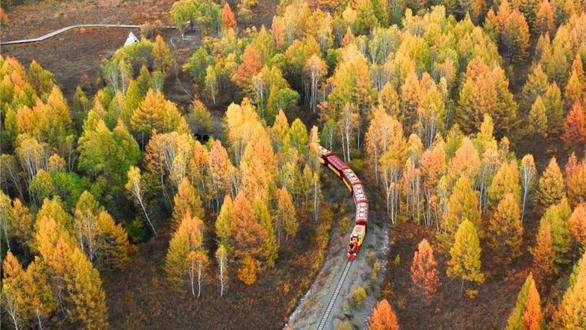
<point x="450" y="310"/>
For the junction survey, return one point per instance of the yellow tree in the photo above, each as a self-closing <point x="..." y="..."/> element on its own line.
<point x="185" y="252"/>
<point x="465" y="255"/>
<point x="505" y="231"/>
<point x="570" y="313"/>
<point x="186" y="200"/>
<point x="286" y="216"/>
<point x="551" y="187"/>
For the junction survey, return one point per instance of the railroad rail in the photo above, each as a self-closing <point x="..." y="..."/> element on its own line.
<point x="70" y="27"/>
<point x="326" y="315"/>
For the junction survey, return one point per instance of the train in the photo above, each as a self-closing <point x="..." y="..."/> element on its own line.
<point x="355" y="186"/>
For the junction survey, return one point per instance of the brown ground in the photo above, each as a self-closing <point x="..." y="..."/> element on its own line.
<point x="489" y="310"/>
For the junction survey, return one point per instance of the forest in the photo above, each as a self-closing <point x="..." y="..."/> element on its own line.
<point x="464" y="119"/>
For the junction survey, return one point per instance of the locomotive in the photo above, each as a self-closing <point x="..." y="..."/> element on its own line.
<point x="355" y="186"/>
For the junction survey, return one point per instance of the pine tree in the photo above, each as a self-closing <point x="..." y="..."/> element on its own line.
<point x="551" y="188"/>
<point x="505" y="231"/>
<point x="527" y="311"/>
<point x="424" y="275"/>
<point x="383" y="317"/>
<point x="465" y="255"/>
<point x="186" y="200"/>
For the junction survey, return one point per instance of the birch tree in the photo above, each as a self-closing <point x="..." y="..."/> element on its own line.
<point x="528" y="176"/>
<point x="134" y="187"/>
<point x="221" y="259"/>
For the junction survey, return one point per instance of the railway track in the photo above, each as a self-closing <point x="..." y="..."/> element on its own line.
<point x="327" y="313"/>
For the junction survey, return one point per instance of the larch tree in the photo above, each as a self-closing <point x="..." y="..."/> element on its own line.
<point x="462" y="204"/>
<point x="577" y="224"/>
<point x="485" y="90"/>
<point x="575" y="127"/>
<point x="575" y="175"/>
<point x="543" y="255"/>
<point x="250" y="66"/>
<point x="571" y="311"/>
<point x="465" y="255"/>
<point x="286" y="217"/>
<point x="557" y="216"/>
<point x="223" y="225"/>
<point x="249" y="236"/>
<point x="504" y="181"/>
<point x="551" y="188"/>
<point x="221" y="171"/>
<point x="134" y="186"/>
<point x="247" y="271"/>
<point x="527" y="311"/>
<point x="383" y="317"/>
<point x="538" y="125"/>
<point x="228" y="18"/>
<point x="528" y="175"/>
<point x="182" y="256"/>
<point x="433" y="166"/>
<point x="505" y="231"/>
<point x="424" y="275"/>
<point x="13" y="296"/>
<point x="186" y="200"/>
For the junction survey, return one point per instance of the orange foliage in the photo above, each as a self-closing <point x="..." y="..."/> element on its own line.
<point x="383" y="317"/>
<point x="575" y="127"/>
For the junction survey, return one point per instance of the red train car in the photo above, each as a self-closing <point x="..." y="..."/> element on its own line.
<point x="353" y="184"/>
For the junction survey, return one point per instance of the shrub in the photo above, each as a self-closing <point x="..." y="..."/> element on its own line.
<point x="358" y="296"/>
